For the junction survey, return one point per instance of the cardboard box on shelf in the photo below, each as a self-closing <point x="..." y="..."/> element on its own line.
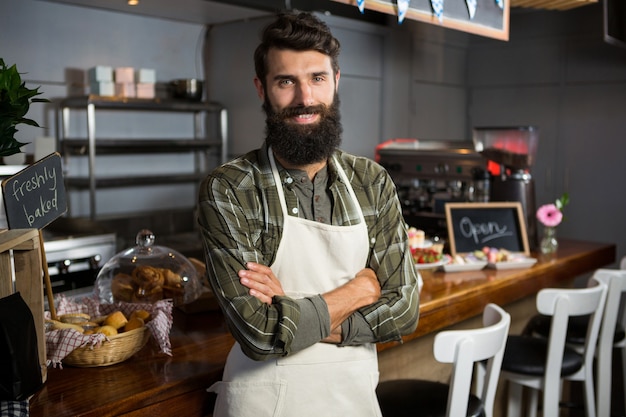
<point x="124" y="75"/>
<point x="145" y="75"/>
<point x="125" y="89"/>
<point x="145" y="90"/>
<point x="100" y="73"/>
<point x="102" y="88"/>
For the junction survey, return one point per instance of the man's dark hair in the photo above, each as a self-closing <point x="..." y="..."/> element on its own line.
<point x="299" y="32"/>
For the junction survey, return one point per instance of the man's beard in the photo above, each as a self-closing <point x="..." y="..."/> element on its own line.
<point x="304" y="144"/>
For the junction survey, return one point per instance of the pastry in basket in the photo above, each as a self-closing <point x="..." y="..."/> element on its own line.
<point x="74" y="318"/>
<point x="133" y="323"/>
<point x="142" y="314"/>
<point x="107" y="330"/>
<point x="117" y="320"/>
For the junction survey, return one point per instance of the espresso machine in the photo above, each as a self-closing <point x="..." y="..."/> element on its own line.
<point x="429" y="174"/>
<point x="511" y="152"/>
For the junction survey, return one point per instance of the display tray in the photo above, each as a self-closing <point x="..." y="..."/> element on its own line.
<point x="514" y="264"/>
<point x="465" y="267"/>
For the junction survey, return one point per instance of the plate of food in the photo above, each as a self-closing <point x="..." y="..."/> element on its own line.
<point x="463" y="263"/>
<point x="504" y="259"/>
<point x="516" y="263"/>
<point x="430" y="265"/>
<point x="431" y="257"/>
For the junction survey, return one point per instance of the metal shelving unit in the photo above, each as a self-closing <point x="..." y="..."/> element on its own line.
<point x="203" y="144"/>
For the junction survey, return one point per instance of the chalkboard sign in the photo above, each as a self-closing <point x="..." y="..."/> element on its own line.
<point x="472" y="226"/>
<point x="486" y="19"/>
<point x="35" y="196"/>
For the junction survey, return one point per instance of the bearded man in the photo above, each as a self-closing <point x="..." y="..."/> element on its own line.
<point x="306" y="248"/>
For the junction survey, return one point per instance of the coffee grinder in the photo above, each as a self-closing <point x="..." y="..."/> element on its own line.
<point x="511" y="152"/>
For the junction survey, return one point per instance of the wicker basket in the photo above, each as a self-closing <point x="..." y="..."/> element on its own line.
<point x="115" y="350"/>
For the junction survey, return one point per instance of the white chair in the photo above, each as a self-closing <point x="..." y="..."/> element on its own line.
<point x="541" y="364"/>
<point x="463" y="349"/>
<point x="616" y="283"/>
<point x="612" y="334"/>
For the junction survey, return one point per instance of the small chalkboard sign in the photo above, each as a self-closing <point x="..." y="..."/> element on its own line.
<point x="472" y="226"/>
<point x="35" y="196"/>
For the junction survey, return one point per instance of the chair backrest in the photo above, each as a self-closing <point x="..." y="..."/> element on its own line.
<point x="463" y="348"/>
<point x="615" y="280"/>
<point x="562" y="304"/>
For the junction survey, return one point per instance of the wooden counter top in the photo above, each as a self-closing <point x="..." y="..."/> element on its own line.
<point x="153" y="384"/>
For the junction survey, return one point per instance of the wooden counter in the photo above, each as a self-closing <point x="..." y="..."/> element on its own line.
<point x="152" y="384"/>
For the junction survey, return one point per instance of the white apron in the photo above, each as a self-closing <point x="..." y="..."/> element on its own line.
<point x="324" y="379"/>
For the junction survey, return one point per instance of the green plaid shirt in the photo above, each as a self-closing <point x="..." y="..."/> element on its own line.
<point x="241" y="220"/>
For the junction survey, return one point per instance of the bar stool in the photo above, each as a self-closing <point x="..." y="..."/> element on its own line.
<point x="612" y="334"/>
<point x="541" y="363"/>
<point x="463" y="349"/>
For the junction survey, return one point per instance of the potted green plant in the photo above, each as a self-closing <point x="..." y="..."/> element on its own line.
<point x="15" y="100"/>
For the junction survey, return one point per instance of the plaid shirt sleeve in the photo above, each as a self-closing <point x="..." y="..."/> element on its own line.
<point x="396" y="312"/>
<point x="237" y="228"/>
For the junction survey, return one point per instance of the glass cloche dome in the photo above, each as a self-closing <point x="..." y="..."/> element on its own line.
<point x="148" y="273"/>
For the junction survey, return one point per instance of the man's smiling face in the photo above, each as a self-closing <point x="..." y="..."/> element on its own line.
<point x="301" y="104"/>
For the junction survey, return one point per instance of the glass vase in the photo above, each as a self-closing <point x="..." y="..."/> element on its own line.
<point x="549" y="244"/>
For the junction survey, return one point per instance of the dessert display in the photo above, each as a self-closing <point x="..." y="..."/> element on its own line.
<point x="148" y="273"/>
<point x="424" y="252"/>
<point x="428" y="255"/>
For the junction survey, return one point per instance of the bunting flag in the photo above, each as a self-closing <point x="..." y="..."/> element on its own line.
<point x="403" y="6"/>
<point x="437" y="8"/>
<point x="361" y="5"/>
<point x="500" y="3"/>
<point x="471" y="8"/>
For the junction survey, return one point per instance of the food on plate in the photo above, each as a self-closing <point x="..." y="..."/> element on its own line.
<point x="495" y="255"/>
<point x="427" y="255"/>
<point x="458" y="259"/>
<point x="117" y="320"/>
<point x="416" y="238"/>
<point x="468" y="258"/>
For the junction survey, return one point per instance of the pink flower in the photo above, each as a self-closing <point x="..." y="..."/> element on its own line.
<point x="549" y="215"/>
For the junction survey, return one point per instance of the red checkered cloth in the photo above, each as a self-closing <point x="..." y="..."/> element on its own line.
<point x="60" y="343"/>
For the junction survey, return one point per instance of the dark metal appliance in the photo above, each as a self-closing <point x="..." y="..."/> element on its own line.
<point x="428" y="174"/>
<point x="74" y="261"/>
<point x="511" y="152"/>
